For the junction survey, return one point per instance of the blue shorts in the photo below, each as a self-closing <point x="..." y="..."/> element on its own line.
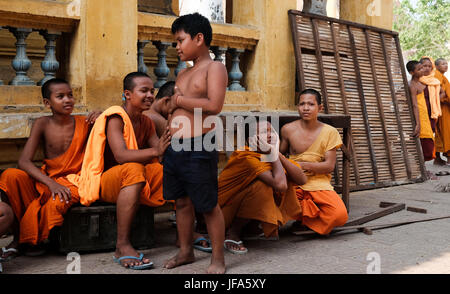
<point x="192" y="174"/>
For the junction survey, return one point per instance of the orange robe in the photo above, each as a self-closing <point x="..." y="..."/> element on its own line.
<point x="242" y="195"/>
<point x="322" y="208"/>
<point x="94" y="183"/>
<point x="434" y="87"/>
<point x="443" y="125"/>
<point x="31" y="201"/>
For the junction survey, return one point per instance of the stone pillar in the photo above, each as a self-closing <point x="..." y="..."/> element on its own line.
<point x="103" y="50"/>
<point x="377" y="13"/>
<point x="271" y="67"/>
<point x="315" y="6"/>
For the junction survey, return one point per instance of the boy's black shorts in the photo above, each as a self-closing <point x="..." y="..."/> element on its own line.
<point x="191" y="173"/>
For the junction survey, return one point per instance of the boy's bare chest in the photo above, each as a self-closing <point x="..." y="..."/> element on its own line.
<point x="300" y="140"/>
<point x="58" y="139"/>
<point x="193" y="83"/>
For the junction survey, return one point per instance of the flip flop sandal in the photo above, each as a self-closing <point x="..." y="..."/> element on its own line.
<point x="14" y="251"/>
<point x="134" y="267"/>
<point x="198" y="245"/>
<point x="234" y="250"/>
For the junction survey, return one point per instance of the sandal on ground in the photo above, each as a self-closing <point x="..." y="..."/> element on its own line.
<point x="198" y="244"/>
<point x="13" y="252"/>
<point x="235" y="251"/>
<point x="134" y="267"/>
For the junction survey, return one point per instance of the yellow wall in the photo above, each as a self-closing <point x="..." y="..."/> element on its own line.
<point x="377" y="13"/>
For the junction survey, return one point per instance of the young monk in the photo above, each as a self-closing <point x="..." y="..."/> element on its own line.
<point x="421" y="109"/>
<point x="253" y="190"/>
<point x="313" y="145"/>
<point x="432" y="98"/>
<point x="121" y="163"/>
<point x="443" y="124"/>
<point x="190" y="176"/>
<point x="33" y="192"/>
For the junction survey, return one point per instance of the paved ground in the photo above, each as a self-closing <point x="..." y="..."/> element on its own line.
<point x="415" y="248"/>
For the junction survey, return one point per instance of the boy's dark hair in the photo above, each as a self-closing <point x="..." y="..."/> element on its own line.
<point x="438" y="61"/>
<point x="411" y="65"/>
<point x="312" y="92"/>
<point x="194" y="24"/>
<point x="128" y="81"/>
<point x="166" y="90"/>
<point x="45" y="89"/>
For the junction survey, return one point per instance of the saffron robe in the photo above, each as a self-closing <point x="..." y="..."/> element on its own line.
<point x="242" y="195"/>
<point x="427" y="126"/>
<point x="443" y="125"/>
<point x="31" y="201"/>
<point x="89" y="181"/>
<point x="322" y="208"/>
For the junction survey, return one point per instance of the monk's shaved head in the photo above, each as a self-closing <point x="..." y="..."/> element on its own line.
<point x="439" y="61"/>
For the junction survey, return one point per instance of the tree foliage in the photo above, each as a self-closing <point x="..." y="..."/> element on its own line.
<point x="424" y="28"/>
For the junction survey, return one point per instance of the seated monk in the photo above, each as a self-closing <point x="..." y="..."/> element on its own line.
<point x="31" y="191"/>
<point x="313" y="145"/>
<point x="443" y="124"/>
<point x="251" y="188"/>
<point x="121" y="163"/>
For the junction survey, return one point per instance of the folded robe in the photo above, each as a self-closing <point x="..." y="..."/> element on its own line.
<point x="242" y="195"/>
<point x="434" y="87"/>
<point x="89" y="179"/>
<point x="33" y="206"/>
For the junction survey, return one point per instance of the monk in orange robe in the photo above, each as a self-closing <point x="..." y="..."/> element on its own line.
<point x="443" y="125"/>
<point x="31" y="191"/>
<point x="121" y="163"/>
<point x="313" y="145"/>
<point x="260" y="190"/>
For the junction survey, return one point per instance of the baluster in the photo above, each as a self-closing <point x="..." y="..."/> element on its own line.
<point x="1" y="81"/>
<point x="21" y="64"/>
<point x="49" y="65"/>
<point x="181" y="65"/>
<point x="161" y="70"/>
<point x="141" y="64"/>
<point x="235" y="74"/>
<point x="218" y="53"/>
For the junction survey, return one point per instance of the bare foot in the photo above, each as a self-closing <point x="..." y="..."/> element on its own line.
<point x="180" y="259"/>
<point x="235" y="247"/>
<point x="439" y="161"/>
<point x="128" y="250"/>
<point x="216" y="268"/>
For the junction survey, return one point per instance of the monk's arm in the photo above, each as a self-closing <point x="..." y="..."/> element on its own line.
<point x="284" y="144"/>
<point x="294" y="173"/>
<point x="415" y="111"/>
<point x="160" y="142"/>
<point x="324" y="167"/>
<point x="116" y="141"/>
<point x="275" y="178"/>
<point x="217" y="81"/>
<point x="26" y="161"/>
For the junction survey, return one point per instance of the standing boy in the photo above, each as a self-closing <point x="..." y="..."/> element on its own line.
<point x="443" y="125"/>
<point x="31" y="191"/>
<point x="190" y="174"/>
<point x="313" y="145"/>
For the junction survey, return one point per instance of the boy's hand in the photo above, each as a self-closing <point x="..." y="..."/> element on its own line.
<point x="62" y="191"/>
<point x="416" y="132"/>
<point x="164" y="142"/>
<point x="92" y="116"/>
<point x="172" y="104"/>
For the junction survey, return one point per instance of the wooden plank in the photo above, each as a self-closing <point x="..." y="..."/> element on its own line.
<point x="375" y="215"/>
<point x="363" y="104"/>
<point x="387" y="144"/>
<point x="396" y="108"/>
<point x="298" y="54"/>
<point x="346" y="169"/>
<point x="408" y="100"/>
<point x="337" y="59"/>
<point x="415" y="209"/>
<point x="318" y="49"/>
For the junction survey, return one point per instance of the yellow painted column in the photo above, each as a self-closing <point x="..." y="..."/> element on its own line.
<point x="377" y="13"/>
<point x="103" y="50"/>
<point x="271" y="70"/>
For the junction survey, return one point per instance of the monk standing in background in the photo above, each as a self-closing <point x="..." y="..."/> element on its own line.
<point x="33" y="192"/>
<point x="313" y="145"/>
<point x="443" y="125"/>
